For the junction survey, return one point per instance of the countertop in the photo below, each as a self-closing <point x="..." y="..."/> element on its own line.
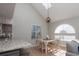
<point x="10" y="45"/>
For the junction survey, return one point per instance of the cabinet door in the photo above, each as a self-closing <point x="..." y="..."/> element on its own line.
<point x="7" y="28"/>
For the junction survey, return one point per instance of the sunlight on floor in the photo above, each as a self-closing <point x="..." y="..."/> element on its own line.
<point x="60" y="52"/>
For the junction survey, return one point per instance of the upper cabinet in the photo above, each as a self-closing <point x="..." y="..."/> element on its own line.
<point x="5" y="31"/>
<point x="6" y="28"/>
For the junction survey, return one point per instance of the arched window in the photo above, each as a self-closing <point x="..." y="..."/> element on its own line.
<point x="65" y="32"/>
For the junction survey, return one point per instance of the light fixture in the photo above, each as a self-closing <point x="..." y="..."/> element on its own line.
<point x="47" y="6"/>
<point x="48" y="19"/>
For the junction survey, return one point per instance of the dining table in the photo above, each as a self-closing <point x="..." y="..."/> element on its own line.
<point x="46" y="41"/>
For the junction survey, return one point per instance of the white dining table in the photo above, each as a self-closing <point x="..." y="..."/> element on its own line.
<point x="46" y="43"/>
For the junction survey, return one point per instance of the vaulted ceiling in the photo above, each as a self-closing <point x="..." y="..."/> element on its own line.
<point x="58" y="11"/>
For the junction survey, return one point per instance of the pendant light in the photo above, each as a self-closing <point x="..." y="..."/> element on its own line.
<point x="48" y="19"/>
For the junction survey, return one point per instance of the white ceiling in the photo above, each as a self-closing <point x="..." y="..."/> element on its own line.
<point x="58" y="11"/>
<point x="6" y="10"/>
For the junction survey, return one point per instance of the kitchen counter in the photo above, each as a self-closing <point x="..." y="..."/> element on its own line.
<point x="11" y="45"/>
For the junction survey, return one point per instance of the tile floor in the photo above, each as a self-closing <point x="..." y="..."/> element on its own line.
<point x="34" y="51"/>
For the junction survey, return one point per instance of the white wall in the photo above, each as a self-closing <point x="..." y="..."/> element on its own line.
<point x="23" y="18"/>
<point x="74" y="22"/>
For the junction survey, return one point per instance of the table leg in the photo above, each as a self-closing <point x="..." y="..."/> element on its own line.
<point x="46" y="48"/>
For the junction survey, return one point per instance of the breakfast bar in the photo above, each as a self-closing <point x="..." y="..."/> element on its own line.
<point x="13" y="49"/>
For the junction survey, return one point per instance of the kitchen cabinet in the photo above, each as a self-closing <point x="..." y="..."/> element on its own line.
<point x="5" y="31"/>
<point x="6" y="28"/>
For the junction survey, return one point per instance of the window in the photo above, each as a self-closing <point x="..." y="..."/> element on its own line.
<point x="65" y="32"/>
<point x="36" y="31"/>
<point x="47" y="5"/>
